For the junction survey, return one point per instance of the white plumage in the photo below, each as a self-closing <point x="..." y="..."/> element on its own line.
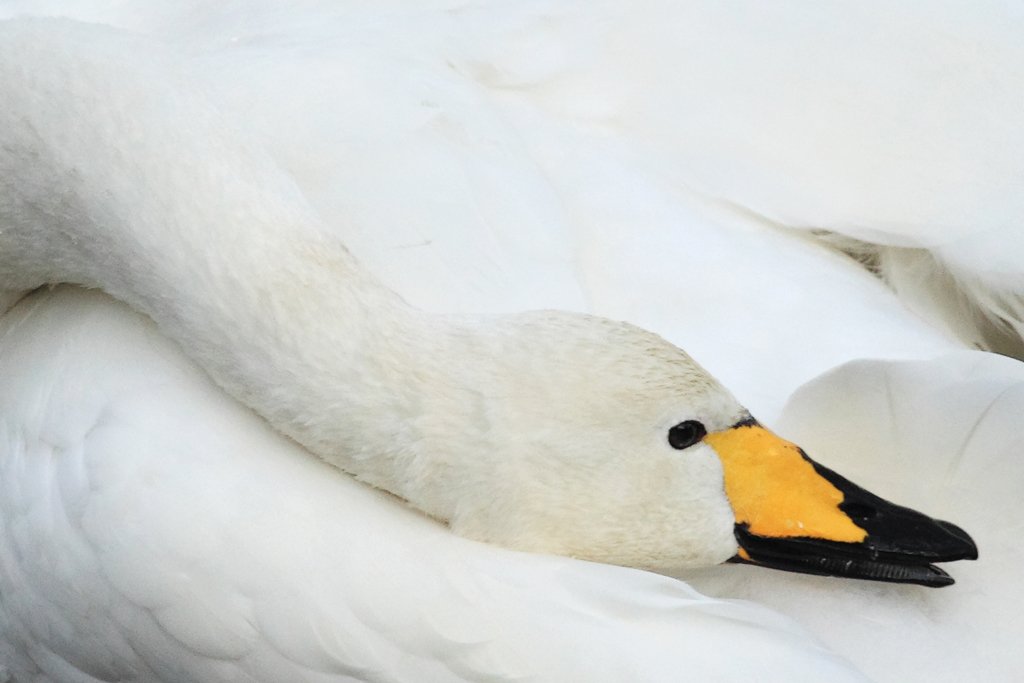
<point x="497" y="159"/>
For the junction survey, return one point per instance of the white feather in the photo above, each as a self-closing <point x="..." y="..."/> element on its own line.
<point x="480" y="161"/>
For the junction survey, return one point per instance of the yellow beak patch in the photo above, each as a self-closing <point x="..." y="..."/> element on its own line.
<point x="776" y="491"/>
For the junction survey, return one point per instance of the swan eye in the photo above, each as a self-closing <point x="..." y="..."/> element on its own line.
<point x="685" y="434"/>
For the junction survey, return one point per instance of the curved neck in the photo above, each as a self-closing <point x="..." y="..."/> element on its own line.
<point x="112" y="176"/>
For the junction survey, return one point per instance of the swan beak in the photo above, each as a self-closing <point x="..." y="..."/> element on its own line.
<point x="793" y="514"/>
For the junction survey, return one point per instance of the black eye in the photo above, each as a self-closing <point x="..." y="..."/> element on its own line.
<point x="685" y="434"/>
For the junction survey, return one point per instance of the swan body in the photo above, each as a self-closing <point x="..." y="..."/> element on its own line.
<point x="519" y="430"/>
<point x="891" y="333"/>
<point x="890" y="132"/>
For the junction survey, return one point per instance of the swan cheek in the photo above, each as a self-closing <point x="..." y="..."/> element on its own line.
<point x="708" y="514"/>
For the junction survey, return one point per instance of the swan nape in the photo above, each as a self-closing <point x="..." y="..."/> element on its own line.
<point x="796" y="515"/>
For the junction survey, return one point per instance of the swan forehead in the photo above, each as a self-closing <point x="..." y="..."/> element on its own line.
<point x="579" y="361"/>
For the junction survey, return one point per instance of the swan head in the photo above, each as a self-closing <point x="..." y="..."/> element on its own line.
<point x="599" y="440"/>
<point x="577" y="412"/>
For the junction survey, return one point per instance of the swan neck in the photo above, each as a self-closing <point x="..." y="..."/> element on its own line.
<point x="115" y="175"/>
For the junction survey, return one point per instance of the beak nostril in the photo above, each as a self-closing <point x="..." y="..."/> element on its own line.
<point x="859" y="511"/>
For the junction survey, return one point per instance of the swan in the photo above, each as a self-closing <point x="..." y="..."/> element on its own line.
<point x="497" y="426"/>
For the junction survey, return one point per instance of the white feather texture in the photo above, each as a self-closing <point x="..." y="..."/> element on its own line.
<point x="631" y="160"/>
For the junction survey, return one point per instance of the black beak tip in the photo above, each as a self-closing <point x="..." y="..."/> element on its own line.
<point x="962" y="546"/>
